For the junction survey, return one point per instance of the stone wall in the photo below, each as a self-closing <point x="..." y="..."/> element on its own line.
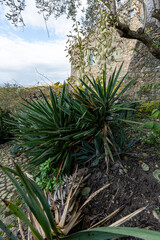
<point x="144" y="67"/>
<point x="137" y="61"/>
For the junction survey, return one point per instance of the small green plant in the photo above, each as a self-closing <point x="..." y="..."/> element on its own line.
<point x="156" y="114"/>
<point x="157" y="209"/>
<point x="147" y="107"/>
<point x="151" y="139"/>
<point x="47" y="177"/>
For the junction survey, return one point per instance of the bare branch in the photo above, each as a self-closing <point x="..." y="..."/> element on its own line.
<point x="46" y="25"/>
<point x="126" y="32"/>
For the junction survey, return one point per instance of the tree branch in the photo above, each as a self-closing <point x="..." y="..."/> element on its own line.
<point x="126" y="32"/>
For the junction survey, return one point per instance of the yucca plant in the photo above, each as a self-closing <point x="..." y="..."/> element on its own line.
<point x="90" y="153"/>
<point x="41" y="216"/>
<point x="42" y="129"/>
<point x="122" y="143"/>
<point x="99" y="105"/>
<point x="54" y="128"/>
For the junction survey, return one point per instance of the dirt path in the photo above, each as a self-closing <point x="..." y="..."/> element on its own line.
<point x="6" y="187"/>
<point x="7" y="190"/>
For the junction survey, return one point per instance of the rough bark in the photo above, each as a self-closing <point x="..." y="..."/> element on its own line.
<point x="126" y="32"/>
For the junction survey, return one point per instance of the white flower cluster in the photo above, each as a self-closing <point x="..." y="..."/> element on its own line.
<point x="100" y="42"/>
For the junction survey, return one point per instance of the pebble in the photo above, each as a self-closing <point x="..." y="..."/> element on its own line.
<point x="121" y="171"/>
<point x="144" y="154"/>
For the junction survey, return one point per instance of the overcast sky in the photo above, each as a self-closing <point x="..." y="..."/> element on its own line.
<point x="26" y="52"/>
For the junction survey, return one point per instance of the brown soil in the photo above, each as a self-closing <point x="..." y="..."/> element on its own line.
<point x="131" y="189"/>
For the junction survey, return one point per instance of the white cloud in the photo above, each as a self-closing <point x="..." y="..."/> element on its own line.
<point x="61" y="26"/>
<point x="19" y="59"/>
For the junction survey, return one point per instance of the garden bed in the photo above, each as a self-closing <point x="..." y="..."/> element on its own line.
<point x="131" y="189"/>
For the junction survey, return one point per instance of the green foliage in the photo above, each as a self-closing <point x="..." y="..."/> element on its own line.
<point x="35" y="200"/>
<point x="91" y="153"/>
<point x="47" y="177"/>
<point x="44" y="128"/>
<point x="34" y="197"/>
<point x="154" y="126"/>
<point x="122" y="143"/>
<point x="57" y="8"/>
<point x="156" y="175"/>
<point x="15" y="150"/>
<point x="151" y="139"/>
<point x="146" y="108"/>
<point x="99" y="106"/>
<point x="6" y="229"/>
<point x="114" y="232"/>
<point x="53" y="128"/>
<point x="156" y="114"/>
<point x="10" y="97"/>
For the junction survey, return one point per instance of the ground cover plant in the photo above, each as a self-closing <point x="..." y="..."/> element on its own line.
<point x="149" y="113"/>
<point x="47" y="176"/>
<point x="52" y="128"/>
